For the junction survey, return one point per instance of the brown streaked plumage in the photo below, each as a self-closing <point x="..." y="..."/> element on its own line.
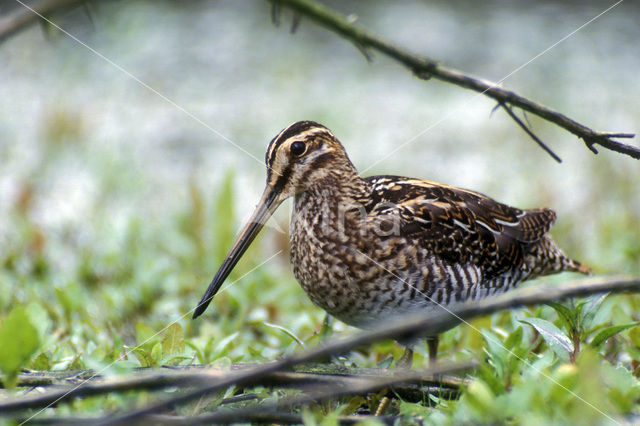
<point x="367" y="249"/>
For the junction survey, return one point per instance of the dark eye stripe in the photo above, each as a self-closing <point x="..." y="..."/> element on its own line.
<point x="318" y="162"/>
<point x="282" y="179"/>
<point x="322" y="160"/>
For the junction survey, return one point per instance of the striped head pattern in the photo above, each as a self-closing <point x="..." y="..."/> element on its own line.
<point x="304" y="154"/>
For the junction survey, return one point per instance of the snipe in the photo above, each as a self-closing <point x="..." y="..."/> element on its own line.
<point x="367" y="249"/>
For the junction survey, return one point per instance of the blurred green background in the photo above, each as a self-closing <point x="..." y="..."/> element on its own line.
<point x="124" y="178"/>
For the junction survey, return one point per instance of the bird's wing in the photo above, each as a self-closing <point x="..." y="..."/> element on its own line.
<point x="459" y="225"/>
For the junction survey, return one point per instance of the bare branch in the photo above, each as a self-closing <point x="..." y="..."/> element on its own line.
<point x="426" y="68"/>
<point x="354" y="386"/>
<point x="273" y="417"/>
<point x="76" y="384"/>
<point x="406" y="328"/>
<point x="328" y="388"/>
<point x="21" y="17"/>
<point x="289" y="418"/>
<point x="421" y="66"/>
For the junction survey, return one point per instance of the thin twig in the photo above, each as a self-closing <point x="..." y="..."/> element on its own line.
<point x="21" y="17"/>
<point x="295" y="22"/>
<point x="528" y="131"/>
<point x="424" y="67"/>
<point x="406" y="328"/>
<point x="275" y="14"/>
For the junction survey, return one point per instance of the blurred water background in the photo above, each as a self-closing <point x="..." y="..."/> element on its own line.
<point x="85" y="148"/>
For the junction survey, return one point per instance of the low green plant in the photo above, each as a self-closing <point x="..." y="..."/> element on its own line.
<point x="578" y="323"/>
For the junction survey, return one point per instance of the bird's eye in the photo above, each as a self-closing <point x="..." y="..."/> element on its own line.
<point x="298" y="148"/>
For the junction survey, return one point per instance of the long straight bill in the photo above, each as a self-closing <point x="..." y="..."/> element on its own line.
<point x="263" y="211"/>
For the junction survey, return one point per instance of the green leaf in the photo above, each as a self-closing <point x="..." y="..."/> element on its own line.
<point x="492" y="373"/>
<point x="207" y="352"/>
<point x="194" y="226"/>
<point x="493" y="343"/>
<point x="256" y="354"/>
<point x="308" y="418"/>
<point x="514" y="339"/>
<point x="413" y="411"/>
<point x="327" y="327"/>
<point x="591" y="307"/>
<point x="144" y="357"/>
<point x="222" y="349"/>
<point x="385" y="363"/>
<point x="604" y="334"/>
<point x="567" y="314"/>
<point x="147" y="337"/>
<point x="42" y="362"/>
<point x="285" y="331"/>
<point x="558" y="342"/>
<point x="156" y="353"/>
<point x="353" y="404"/>
<point x="76" y="363"/>
<point x="19" y="341"/>
<point x="173" y="340"/>
<point x="634" y="353"/>
<point x="479" y="396"/>
<point x="175" y="359"/>
<point x="224" y="218"/>
<point x="634" y="335"/>
<point x="64" y="300"/>
<point x="40" y="320"/>
<point x="199" y="354"/>
<point x="498" y="355"/>
<point x="222" y="363"/>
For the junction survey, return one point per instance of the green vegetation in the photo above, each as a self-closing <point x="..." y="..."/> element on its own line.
<point x="116" y="208"/>
<point x="112" y="299"/>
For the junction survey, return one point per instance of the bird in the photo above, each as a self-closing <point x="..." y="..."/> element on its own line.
<point x="370" y="249"/>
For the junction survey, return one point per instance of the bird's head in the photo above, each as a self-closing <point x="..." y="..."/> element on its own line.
<point x="302" y="155"/>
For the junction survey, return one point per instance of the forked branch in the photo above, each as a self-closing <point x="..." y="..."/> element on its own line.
<point x="365" y="41"/>
<point x="426" y="68"/>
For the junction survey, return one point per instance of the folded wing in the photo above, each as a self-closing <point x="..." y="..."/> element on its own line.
<point x="459" y="225"/>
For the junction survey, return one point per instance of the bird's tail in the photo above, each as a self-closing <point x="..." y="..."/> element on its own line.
<point x="545" y="258"/>
<point x="575" y="266"/>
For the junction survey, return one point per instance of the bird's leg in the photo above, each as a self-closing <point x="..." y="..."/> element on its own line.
<point x="432" y="342"/>
<point x="383" y="405"/>
<point x="406" y="360"/>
